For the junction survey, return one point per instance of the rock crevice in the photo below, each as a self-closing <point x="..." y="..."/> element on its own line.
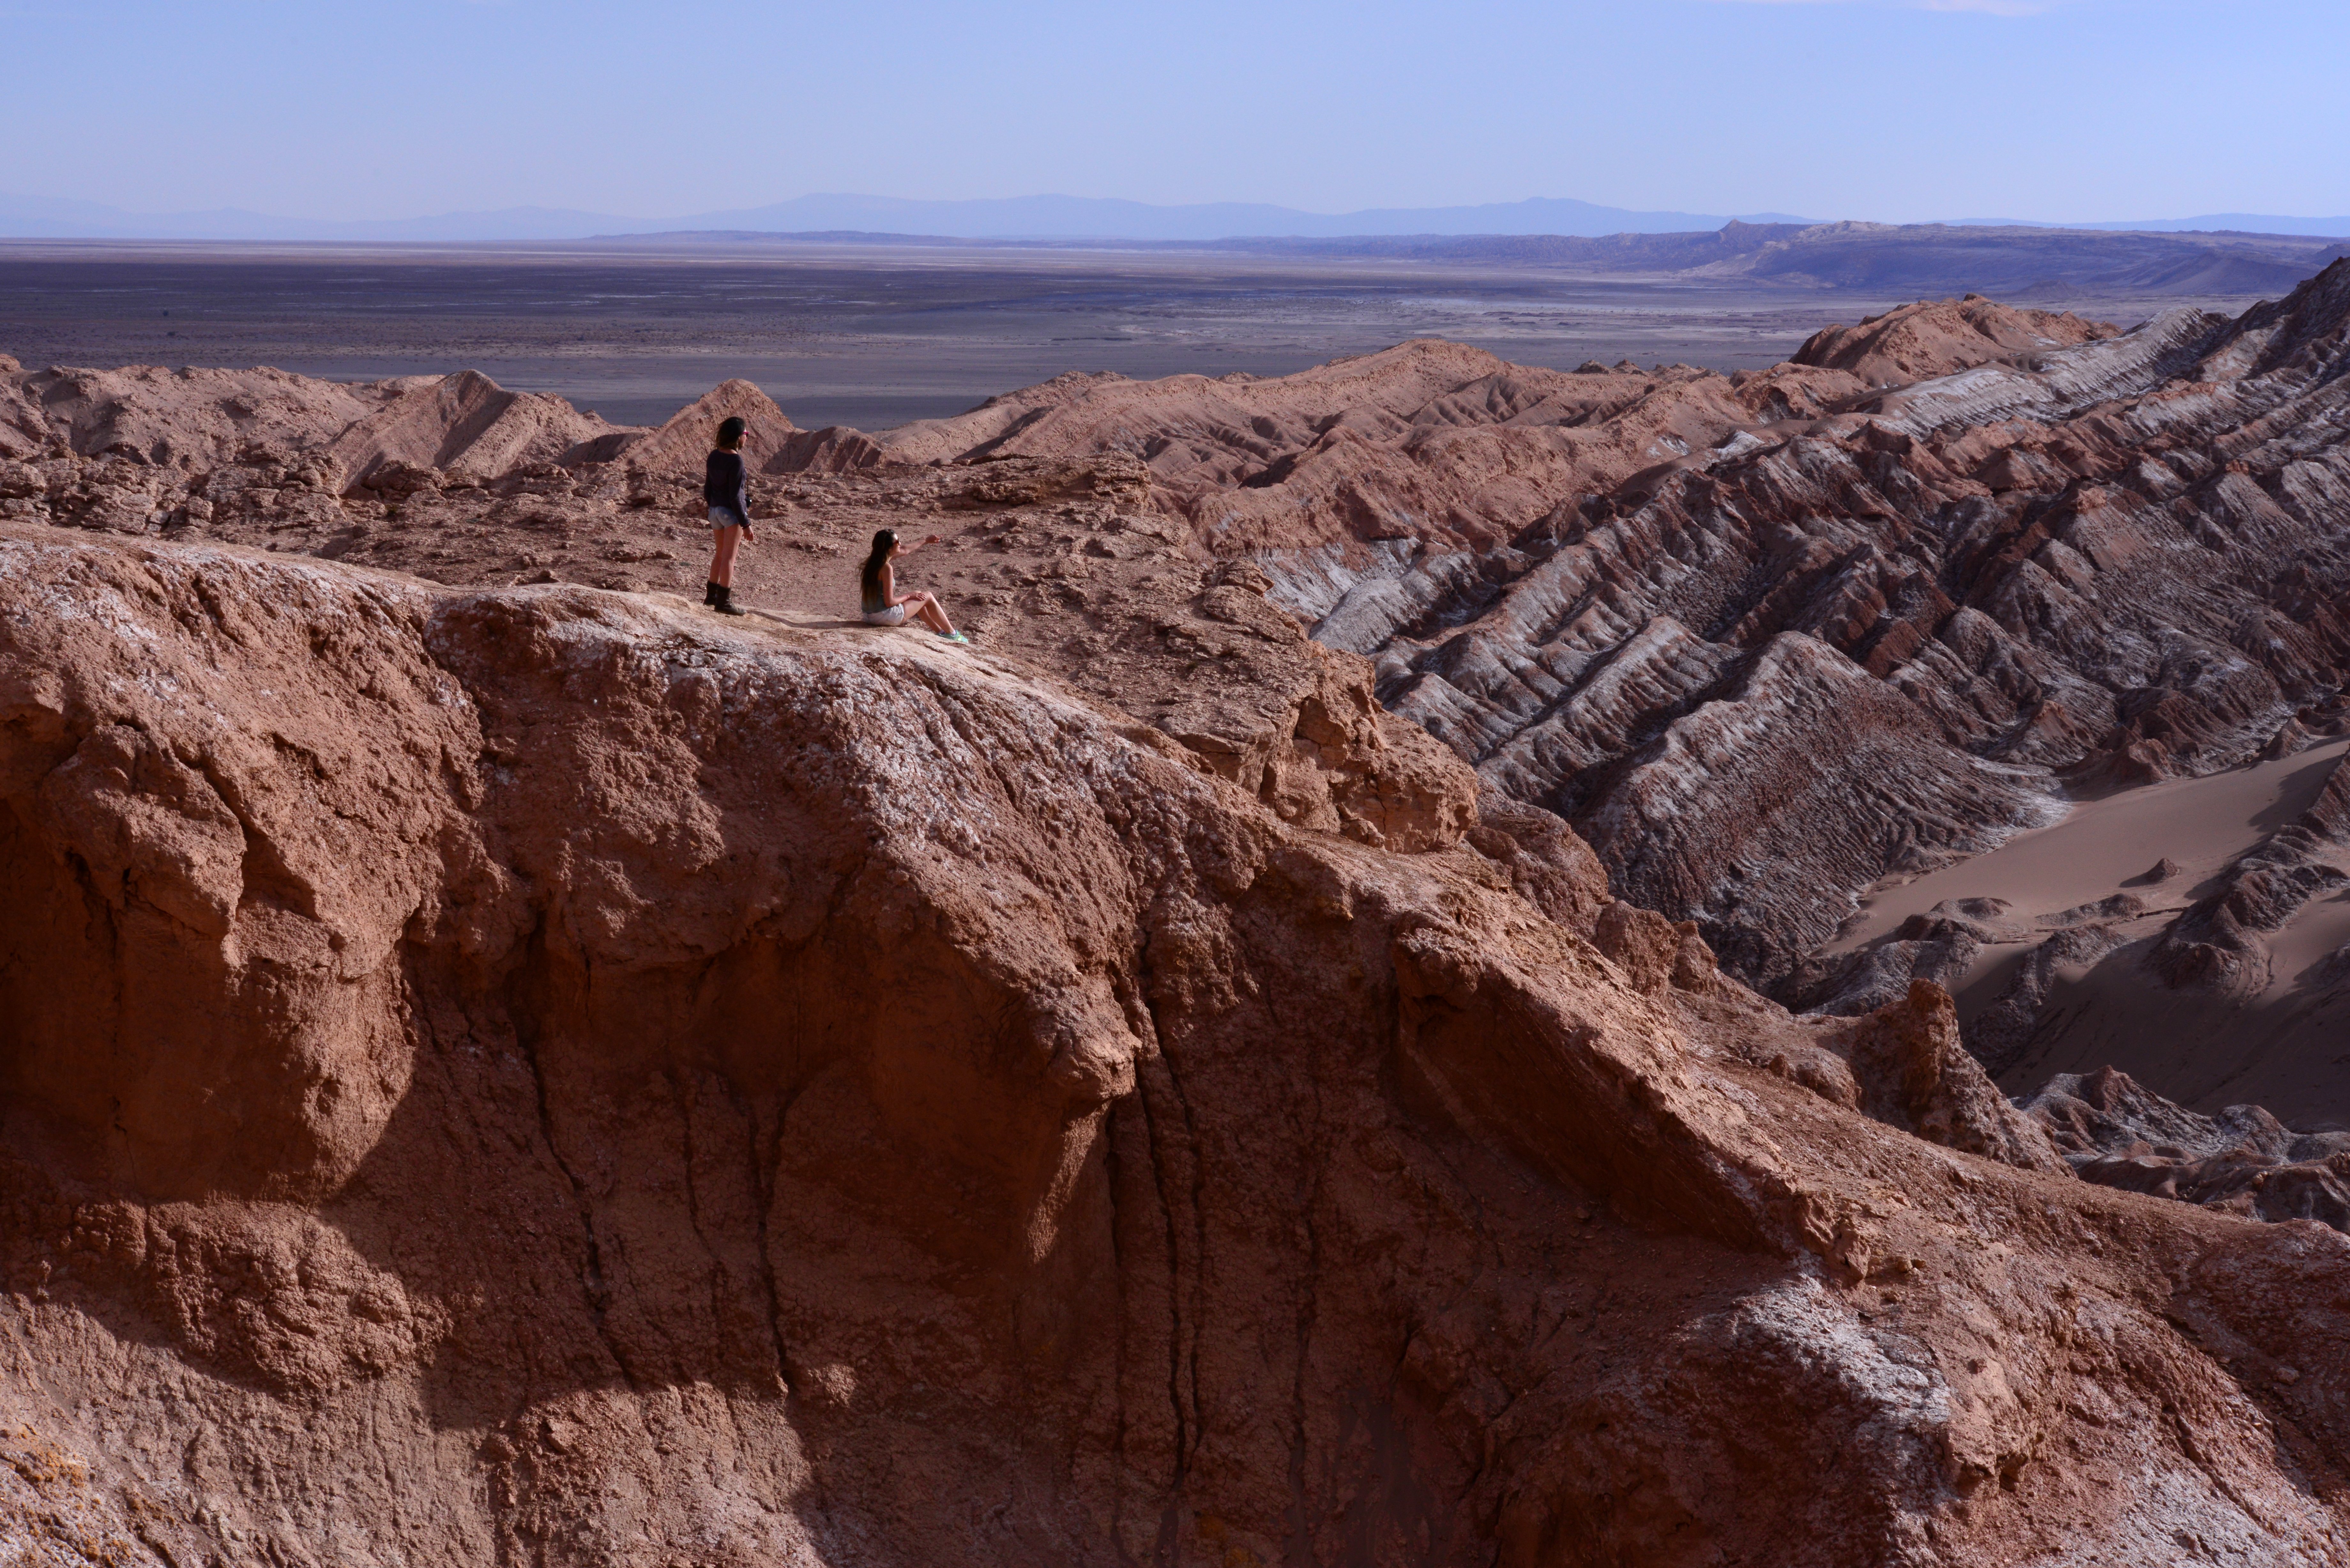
<point x="1106" y="1158"/>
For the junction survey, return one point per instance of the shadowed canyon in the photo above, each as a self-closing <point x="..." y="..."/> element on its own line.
<point x="1478" y="964"/>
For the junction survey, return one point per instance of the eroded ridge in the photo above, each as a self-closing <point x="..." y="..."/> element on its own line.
<point x="537" y="1075"/>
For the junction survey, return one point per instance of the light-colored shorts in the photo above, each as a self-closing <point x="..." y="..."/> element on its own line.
<point x="894" y="616"/>
<point x="720" y="517"/>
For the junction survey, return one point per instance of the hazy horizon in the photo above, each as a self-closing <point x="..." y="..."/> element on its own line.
<point x="1042" y="218"/>
<point x="2072" y="111"/>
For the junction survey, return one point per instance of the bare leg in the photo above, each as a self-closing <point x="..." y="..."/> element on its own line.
<point x="934" y="616"/>
<point x="721" y="558"/>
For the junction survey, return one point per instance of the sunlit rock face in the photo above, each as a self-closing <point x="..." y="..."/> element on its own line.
<point x="544" y="1072"/>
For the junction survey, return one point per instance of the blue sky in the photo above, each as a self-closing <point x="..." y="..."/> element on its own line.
<point x="2049" y="110"/>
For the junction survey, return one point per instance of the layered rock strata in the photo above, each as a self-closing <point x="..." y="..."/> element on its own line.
<point x="1764" y="639"/>
<point x="2217" y="943"/>
<point x="1880" y="641"/>
<point x="542" y="1075"/>
<point x="2115" y="1131"/>
<point x="1769" y="639"/>
<point x="1886" y="260"/>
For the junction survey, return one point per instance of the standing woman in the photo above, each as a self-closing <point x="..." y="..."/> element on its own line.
<point x="885" y="606"/>
<point x="725" y="490"/>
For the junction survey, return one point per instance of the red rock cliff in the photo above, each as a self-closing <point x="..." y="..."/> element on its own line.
<point x="533" y="1076"/>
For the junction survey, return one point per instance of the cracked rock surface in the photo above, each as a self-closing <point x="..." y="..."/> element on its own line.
<point x="540" y="1074"/>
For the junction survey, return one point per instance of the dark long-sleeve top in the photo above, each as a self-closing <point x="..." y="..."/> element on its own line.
<point x="726" y="483"/>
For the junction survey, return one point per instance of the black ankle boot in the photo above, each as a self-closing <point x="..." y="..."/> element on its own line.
<point x="722" y="601"/>
<point x="710" y="593"/>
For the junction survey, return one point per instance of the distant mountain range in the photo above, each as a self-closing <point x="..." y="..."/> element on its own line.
<point x="1017" y="218"/>
<point x="1013" y="218"/>
<point x="43" y="217"/>
<point x="1080" y="217"/>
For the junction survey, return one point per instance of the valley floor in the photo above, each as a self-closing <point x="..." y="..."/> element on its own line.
<point x="865" y="336"/>
<point x="2280" y="1046"/>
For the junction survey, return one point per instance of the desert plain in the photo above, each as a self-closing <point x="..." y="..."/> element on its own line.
<point x="873" y="335"/>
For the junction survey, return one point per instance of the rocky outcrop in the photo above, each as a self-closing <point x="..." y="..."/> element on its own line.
<point x="188" y="418"/>
<point x="2046" y="566"/>
<point x="1911" y="1071"/>
<point x="468" y="427"/>
<point x="1427" y="444"/>
<point x="2115" y="1131"/>
<point x="1903" y="1062"/>
<point x="1296" y="726"/>
<point x="2217" y="943"/>
<point x="677" y="449"/>
<point x="542" y="1073"/>
<point x="1939" y="337"/>
<point x="143" y="450"/>
<point x="1764" y="639"/>
<point x="835" y="449"/>
<point x="169" y="431"/>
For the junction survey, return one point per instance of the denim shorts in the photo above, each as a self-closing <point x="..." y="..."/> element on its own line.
<point x="723" y="517"/>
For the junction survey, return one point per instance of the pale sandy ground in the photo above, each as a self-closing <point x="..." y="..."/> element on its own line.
<point x="2287" y="1049"/>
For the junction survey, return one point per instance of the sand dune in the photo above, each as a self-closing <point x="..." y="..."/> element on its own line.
<point x="2276" y="1042"/>
<point x="2101" y="847"/>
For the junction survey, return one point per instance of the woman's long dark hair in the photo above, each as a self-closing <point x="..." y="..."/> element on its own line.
<point x="870" y="580"/>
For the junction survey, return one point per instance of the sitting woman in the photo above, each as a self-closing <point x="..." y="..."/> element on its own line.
<point x="885" y="606"/>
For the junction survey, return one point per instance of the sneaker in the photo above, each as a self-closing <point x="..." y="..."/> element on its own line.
<point x="952" y="636"/>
